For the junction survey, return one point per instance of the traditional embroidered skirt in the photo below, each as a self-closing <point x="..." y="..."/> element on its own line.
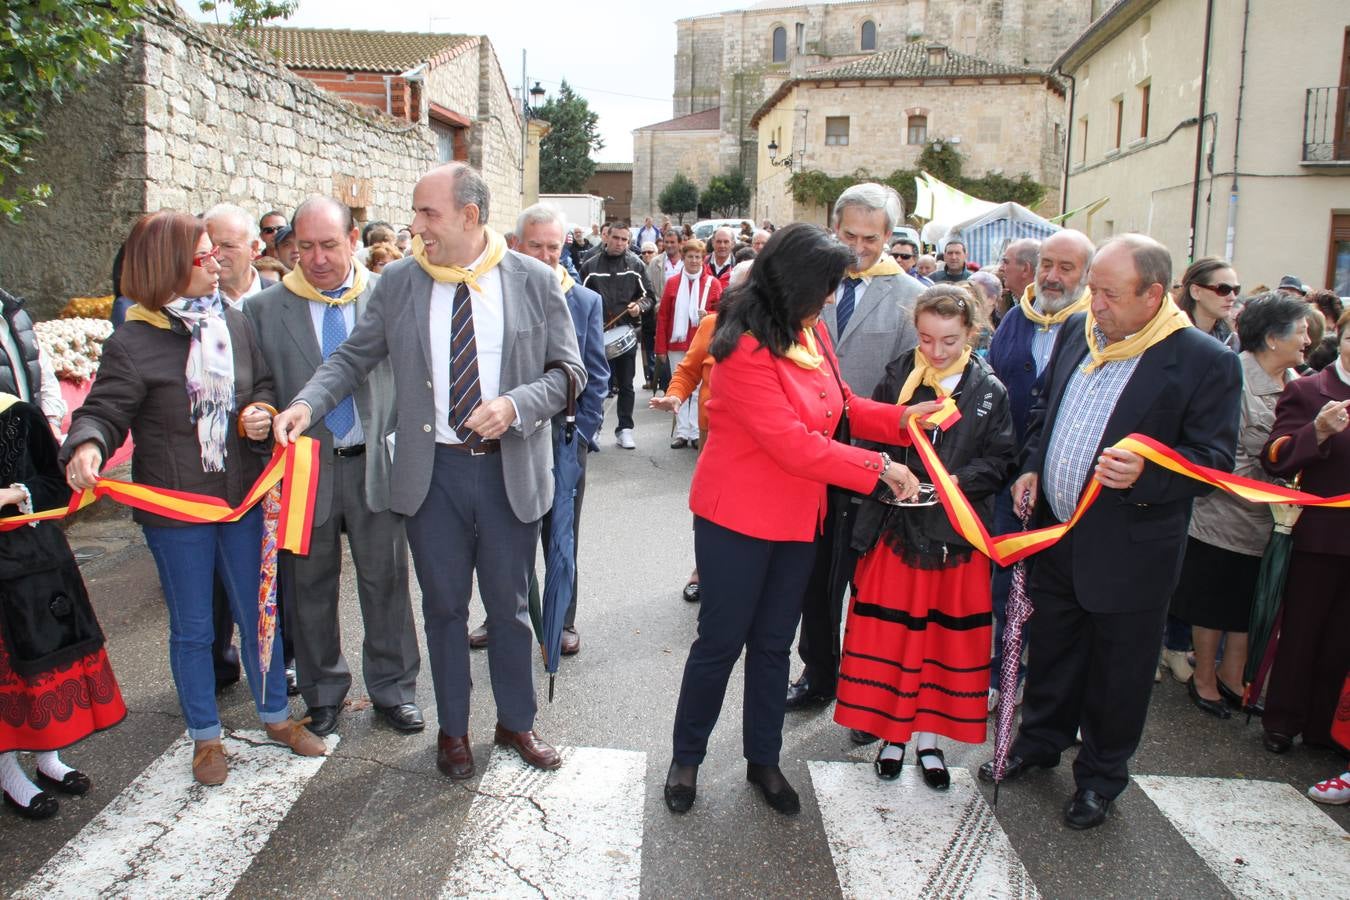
<point x="916" y="649"/>
<point x="57" y="708"/>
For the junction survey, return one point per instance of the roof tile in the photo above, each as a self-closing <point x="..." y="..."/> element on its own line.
<point x="344" y="49"/>
<point x="913" y="61"/>
<point x="705" y="120"/>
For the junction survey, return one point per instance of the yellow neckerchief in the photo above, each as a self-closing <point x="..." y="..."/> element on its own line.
<point x="138" y="313"/>
<point x="885" y="265"/>
<point x="1046" y="321"/>
<point x="1168" y="319"/>
<point x="925" y="373"/>
<point x="564" y="278"/>
<point x="8" y="400"/>
<point x="496" y="249"/>
<point x="298" y="284"/>
<point x="805" y="354"/>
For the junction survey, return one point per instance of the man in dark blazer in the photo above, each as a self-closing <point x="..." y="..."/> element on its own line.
<point x="473" y="455"/>
<point x="297" y="332"/>
<point x="1100" y="595"/>
<point x="871" y="323"/>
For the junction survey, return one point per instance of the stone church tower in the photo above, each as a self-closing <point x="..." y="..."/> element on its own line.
<point x="733" y="61"/>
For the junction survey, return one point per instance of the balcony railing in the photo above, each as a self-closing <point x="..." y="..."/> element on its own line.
<point x="1326" y="125"/>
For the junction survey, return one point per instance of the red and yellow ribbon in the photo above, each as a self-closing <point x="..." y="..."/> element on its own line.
<point x="296" y="468"/>
<point x="1009" y="548"/>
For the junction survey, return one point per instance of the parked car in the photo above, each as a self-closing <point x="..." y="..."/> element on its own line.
<point x="704" y="230"/>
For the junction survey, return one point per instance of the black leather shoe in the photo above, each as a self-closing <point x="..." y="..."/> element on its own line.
<point x="292" y="683"/>
<point x="1216" y="708"/>
<point x="691" y="594"/>
<point x="681" y="787"/>
<point x="405" y="717"/>
<point x="889" y="769"/>
<point x="42" y="806"/>
<point x="803" y="694"/>
<point x="77" y="784"/>
<point x="478" y="638"/>
<point x="1232" y="698"/>
<point x="1015" y="767"/>
<point x="939" y="779"/>
<point x="679" y="444"/>
<point x="862" y="738"/>
<point x="322" y="720"/>
<point x="1276" y="742"/>
<point x="777" y="792"/>
<point x="1087" y="809"/>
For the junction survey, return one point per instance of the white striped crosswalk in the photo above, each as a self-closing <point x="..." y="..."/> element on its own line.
<point x="579" y="831"/>
<point x="167" y="836"/>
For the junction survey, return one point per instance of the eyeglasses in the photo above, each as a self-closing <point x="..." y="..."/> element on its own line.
<point x="200" y="259"/>
<point x="271" y="229"/>
<point x="1223" y="290"/>
<point x="903" y="255"/>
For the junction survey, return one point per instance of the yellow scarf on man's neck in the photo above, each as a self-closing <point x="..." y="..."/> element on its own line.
<point x="564" y="278"/>
<point x="885" y="265"/>
<point x="298" y="284"/>
<point x="496" y="249"/>
<point x="1046" y="321"/>
<point x="925" y="373"/>
<point x="138" y="313"/>
<point x="1167" y="320"/>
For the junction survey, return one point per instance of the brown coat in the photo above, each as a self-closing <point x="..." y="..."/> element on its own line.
<point x="141" y="387"/>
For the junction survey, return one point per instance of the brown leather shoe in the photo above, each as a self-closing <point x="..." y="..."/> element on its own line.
<point x="454" y="756"/>
<point x="571" y="642"/>
<point x="534" y="751"/>
<point x="300" y="739"/>
<point x="478" y="638"/>
<point x="208" y="763"/>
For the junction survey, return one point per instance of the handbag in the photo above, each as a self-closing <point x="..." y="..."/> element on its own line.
<point x="46" y="619"/>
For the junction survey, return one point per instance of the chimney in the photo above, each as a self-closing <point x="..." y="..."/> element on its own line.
<point x="937" y="55"/>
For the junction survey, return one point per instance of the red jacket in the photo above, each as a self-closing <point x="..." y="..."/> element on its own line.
<point x="724" y="275"/>
<point x="770" y="451"/>
<point x="666" y="312"/>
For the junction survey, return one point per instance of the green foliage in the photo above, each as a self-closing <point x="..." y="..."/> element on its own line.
<point x="726" y="195"/>
<point x="565" y="152"/>
<point x="47" y="49"/>
<point x="679" y="197"/>
<point x="246" y="13"/>
<point x="939" y="159"/>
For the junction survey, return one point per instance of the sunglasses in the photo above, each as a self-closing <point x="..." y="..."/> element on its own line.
<point x="903" y="255"/>
<point x="1223" y="290"/>
<point x="200" y="259"/>
<point x="271" y="229"/>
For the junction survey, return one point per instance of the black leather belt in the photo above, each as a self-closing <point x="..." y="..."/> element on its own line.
<point x="354" y="450"/>
<point x="483" y="448"/>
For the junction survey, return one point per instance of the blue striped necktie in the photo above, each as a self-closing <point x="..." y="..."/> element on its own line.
<point x="844" y="310"/>
<point x="464" y="390"/>
<point x="343" y="416"/>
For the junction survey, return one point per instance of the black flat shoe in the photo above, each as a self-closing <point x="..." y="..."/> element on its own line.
<point x="805" y="694"/>
<point x="1276" y="742"/>
<point x="42" y="806"/>
<point x="1216" y="708"/>
<point x="1234" y="698"/>
<point x="77" y="784"/>
<point x="680" y="796"/>
<point x="322" y="720"/>
<point x="861" y="738"/>
<point x="404" y="717"/>
<point x="691" y="592"/>
<point x="1086" y="809"/>
<point x="1016" y="766"/>
<point x="777" y="792"/>
<point x="679" y="444"/>
<point x="939" y="779"/>
<point x="889" y="769"/>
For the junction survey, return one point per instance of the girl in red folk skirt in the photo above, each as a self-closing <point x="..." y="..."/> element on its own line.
<point x="917" y="644"/>
<point x="56" y="686"/>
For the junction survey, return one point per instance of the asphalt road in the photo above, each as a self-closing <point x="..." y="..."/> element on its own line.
<point x="376" y="818"/>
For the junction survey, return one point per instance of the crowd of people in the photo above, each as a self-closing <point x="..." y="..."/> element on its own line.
<point x="432" y="364"/>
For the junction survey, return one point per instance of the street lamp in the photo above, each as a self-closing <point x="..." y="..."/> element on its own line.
<point x="773" y="156"/>
<point x="536" y="97"/>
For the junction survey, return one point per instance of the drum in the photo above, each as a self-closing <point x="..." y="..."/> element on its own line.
<point x="619" y="340"/>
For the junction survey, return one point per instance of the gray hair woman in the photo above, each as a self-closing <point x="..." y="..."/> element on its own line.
<point x="1228" y="536"/>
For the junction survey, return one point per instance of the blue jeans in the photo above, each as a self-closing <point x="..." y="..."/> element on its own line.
<point x="188" y="558"/>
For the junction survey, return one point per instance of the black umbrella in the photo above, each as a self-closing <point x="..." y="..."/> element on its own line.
<point x="1263" y="630"/>
<point x="560" y="565"/>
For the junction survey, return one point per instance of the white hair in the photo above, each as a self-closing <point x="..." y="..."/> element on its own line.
<point x="540" y="214"/>
<point x="758" y="231"/>
<point x="740" y="272"/>
<point x="231" y="211"/>
<point x="872" y="196"/>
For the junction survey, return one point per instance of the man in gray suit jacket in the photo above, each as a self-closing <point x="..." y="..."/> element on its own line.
<point x="299" y="323"/>
<point x="871" y="323"/>
<point x="469" y="328"/>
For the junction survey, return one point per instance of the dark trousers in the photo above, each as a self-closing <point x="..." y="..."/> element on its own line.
<point x="823" y="602"/>
<point x="648" y="342"/>
<point x="465" y="527"/>
<point x="751" y="595"/>
<point x="622" y="369"/>
<point x="1088" y="670"/>
<point x="1313" y="654"/>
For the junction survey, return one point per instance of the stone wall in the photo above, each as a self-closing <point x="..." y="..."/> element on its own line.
<point x="659" y="155"/>
<point x="494" y="147"/>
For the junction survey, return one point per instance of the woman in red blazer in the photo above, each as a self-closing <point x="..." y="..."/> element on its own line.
<point x="688" y="297"/>
<point x="758" y="496"/>
<point x="1310" y="437"/>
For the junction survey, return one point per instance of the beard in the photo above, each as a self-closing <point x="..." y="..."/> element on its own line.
<point x="1055" y="296"/>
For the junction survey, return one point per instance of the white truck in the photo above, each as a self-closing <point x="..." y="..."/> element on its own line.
<point x="578" y="209"/>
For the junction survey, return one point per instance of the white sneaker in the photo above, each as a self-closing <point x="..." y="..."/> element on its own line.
<point x="624" y="438"/>
<point x="1333" y="791"/>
